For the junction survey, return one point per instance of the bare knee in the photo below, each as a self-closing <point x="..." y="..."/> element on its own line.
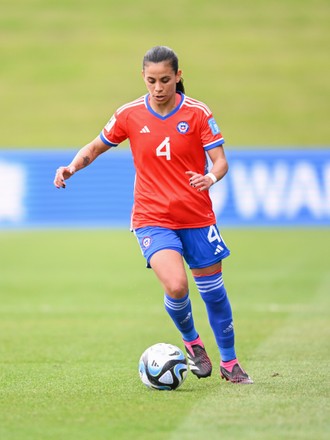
<point x="176" y="288"/>
<point x="169" y="269"/>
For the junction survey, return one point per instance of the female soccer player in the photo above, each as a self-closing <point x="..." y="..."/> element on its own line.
<point x="172" y="218"/>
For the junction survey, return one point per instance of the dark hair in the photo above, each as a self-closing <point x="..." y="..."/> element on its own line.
<point x="158" y="54"/>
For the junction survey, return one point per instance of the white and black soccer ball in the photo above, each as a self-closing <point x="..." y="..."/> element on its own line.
<point x="163" y="367"/>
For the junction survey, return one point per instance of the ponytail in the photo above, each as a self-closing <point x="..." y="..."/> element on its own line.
<point x="180" y="86"/>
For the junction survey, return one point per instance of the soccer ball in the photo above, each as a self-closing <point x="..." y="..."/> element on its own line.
<point x="163" y="367"/>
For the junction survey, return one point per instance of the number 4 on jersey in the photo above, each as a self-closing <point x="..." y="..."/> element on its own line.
<point x="164" y="149"/>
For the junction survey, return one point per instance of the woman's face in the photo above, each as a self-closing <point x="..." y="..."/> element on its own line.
<point x="161" y="80"/>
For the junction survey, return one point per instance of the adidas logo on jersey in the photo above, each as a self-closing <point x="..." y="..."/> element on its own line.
<point x="145" y="129"/>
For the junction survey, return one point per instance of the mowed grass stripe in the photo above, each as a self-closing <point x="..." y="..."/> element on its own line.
<point x="290" y="396"/>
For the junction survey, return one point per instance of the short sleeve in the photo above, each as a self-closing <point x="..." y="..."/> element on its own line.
<point x="114" y="131"/>
<point x="210" y="133"/>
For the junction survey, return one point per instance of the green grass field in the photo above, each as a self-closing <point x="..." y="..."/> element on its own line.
<point x="78" y="308"/>
<point x="262" y="66"/>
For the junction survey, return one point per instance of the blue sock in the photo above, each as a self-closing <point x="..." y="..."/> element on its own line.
<point x="218" y="308"/>
<point x="181" y="313"/>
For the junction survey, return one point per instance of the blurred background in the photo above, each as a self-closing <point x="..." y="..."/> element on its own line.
<point x="262" y="67"/>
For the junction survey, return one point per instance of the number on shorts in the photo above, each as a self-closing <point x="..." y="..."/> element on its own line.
<point x="213" y="234"/>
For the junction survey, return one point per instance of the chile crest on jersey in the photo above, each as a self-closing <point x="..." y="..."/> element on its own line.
<point x="183" y="127"/>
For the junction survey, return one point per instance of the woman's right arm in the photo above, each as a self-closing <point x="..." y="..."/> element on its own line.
<point x="83" y="158"/>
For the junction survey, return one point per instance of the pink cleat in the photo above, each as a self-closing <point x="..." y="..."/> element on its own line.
<point x="234" y="373"/>
<point x="198" y="360"/>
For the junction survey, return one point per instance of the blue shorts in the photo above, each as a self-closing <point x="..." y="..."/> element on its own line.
<point x="200" y="247"/>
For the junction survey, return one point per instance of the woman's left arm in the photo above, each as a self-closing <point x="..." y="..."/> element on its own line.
<point x="218" y="171"/>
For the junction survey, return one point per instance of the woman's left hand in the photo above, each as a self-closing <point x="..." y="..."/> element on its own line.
<point x="199" y="181"/>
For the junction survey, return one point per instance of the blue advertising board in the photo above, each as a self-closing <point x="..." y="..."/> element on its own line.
<point x="262" y="188"/>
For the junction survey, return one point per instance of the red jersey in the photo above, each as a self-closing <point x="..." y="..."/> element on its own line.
<point x="163" y="149"/>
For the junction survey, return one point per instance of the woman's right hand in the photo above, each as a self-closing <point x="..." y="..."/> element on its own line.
<point x="62" y="174"/>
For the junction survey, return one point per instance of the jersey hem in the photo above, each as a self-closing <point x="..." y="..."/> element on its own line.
<point x="173" y="226"/>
